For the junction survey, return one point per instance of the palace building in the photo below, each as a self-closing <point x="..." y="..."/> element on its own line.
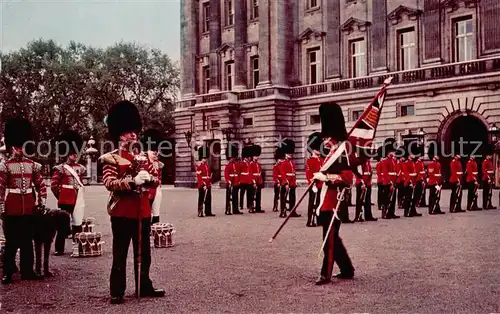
<point x="259" y="69"/>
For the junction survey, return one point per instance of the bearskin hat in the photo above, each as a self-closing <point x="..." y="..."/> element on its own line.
<point x="314" y="142"/>
<point x="123" y="117"/>
<point x="332" y="121"/>
<point x="203" y="152"/>
<point x="17" y="132"/>
<point x="279" y="154"/>
<point x="69" y="143"/>
<point x="232" y="151"/>
<point x="288" y="146"/>
<point x="389" y="146"/>
<point x="246" y="152"/>
<point x="488" y="149"/>
<point x="256" y="150"/>
<point x="151" y="139"/>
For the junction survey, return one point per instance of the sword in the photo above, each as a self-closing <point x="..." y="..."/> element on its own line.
<point x="459" y="194"/>
<point x="438" y="199"/>
<point x="476" y="185"/>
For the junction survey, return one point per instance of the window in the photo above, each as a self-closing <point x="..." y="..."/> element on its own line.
<point x="229" y="75"/>
<point x="314" y="119"/>
<point x="247" y="121"/>
<point x="214" y="124"/>
<point x="254" y="12"/>
<point x="206" y="79"/>
<point x="312" y="4"/>
<point x="407" y="49"/>
<point x="464" y="40"/>
<point x="358" y="58"/>
<point x="229" y="7"/>
<point x="255" y="71"/>
<point x="314" y="60"/>
<point x="355" y="114"/>
<point x="405" y="110"/>
<point x="206" y="17"/>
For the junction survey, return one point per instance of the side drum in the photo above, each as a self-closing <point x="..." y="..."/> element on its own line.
<point x="87" y="244"/>
<point x="162" y="235"/>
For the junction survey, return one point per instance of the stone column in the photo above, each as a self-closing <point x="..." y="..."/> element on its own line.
<point x="240" y="39"/>
<point x="432" y="31"/>
<point x="215" y="43"/>
<point x="282" y="52"/>
<point x="189" y="47"/>
<point x="332" y="47"/>
<point x="264" y="43"/>
<point x="490" y="11"/>
<point x="379" y="36"/>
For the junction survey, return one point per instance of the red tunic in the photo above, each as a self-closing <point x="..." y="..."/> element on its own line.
<point x="380" y="173"/>
<point x="456" y="171"/>
<point x="231" y="173"/>
<point x="126" y="199"/>
<point x="366" y="174"/>
<point x="335" y="181"/>
<point x="488" y="170"/>
<point x="276" y="173"/>
<point x="255" y="171"/>
<point x="287" y="171"/>
<point x="64" y="185"/>
<point x="389" y="170"/>
<point x="18" y="176"/>
<point x="313" y="165"/>
<point x="420" y="170"/>
<point x="471" y="171"/>
<point x="244" y="170"/>
<point x="203" y="175"/>
<point x="409" y="173"/>
<point x="154" y="168"/>
<point x="399" y="170"/>
<point x="434" y="170"/>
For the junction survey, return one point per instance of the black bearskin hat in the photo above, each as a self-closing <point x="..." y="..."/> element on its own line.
<point x="17" y="132"/>
<point x="388" y="146"/>
<point x="288" y="146"/>
<point x="314" y="142"/>
<point x="488" y="149"/>
<point x="69" y="143"/>
<point x="246" y="152"/>
<point x="203" y="152"/>
<point x="332" y="121"/>
<point x="151" y="139"/>
<point x="123" y="117"/>
<point x="279" y="154"/>
<point x="232" y="151"/>
<point x="256" y="150"/>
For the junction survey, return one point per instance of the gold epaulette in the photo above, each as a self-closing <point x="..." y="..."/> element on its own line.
<point x="114" y="159"/>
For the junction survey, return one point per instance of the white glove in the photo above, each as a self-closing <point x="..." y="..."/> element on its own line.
<point x="315" y="189"/>
<point x="142" y="177"/>
<point x="320" y="176"/>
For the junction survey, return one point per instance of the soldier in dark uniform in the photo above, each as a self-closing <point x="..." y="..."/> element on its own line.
<point x="18" y="176"/>
<point x="333" y="132"/>
<point x="66" y="185"/>
<point x="125" y="175"/>
<point x="232" y="177"/>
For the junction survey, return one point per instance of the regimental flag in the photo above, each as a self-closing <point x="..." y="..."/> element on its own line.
<point x="359" y="144"/>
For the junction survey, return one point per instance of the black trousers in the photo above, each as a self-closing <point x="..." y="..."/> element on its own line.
<point x="232" y="199"/>
<point x="244" y="188"/>
<point x="283" y="198"/>
<point x="63" y="232"/>
<point x="124" y="230"/>
<point x="423" y="196"/>
<point x="434" y="206"/>
<point x="487" y="189"/>
<point x="390" y="199"/>
<point x="208" y="200"/>
<point x="401" y="189"/>
<point x="257" y="192"/>
<point x="18" y="231"/>
<point x="409" y="199"/>
<point x="419" y="190"/>
<point x="276" y="196"/>
<point x="334" y="250"/>
<point x="380" y="196"/>
<point x="312" y="205"/>
<point x="365" y="206"/>
<point x="456" y="197"/>
<point x="471" y="202"/>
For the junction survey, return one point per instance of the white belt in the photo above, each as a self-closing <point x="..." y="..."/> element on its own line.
<point x="437" y="175"/>
<point x="68" y="186"/>
<point x="490" y="171"/>
<point x="422" y="172"/>
<point x="205" y="177"/>
<point x="392" y="173"/>
<point x="290" y="174"/>
<point x="256" y="174"/>
<point x="413" y="174"/>
<point x="245" y="173"/>
<point x="20" y="191"/>
<point x="367" y="173"/>
<point x="233" y="175"/>
<point x="474" y="173"/>
<point x="460" y="173"/>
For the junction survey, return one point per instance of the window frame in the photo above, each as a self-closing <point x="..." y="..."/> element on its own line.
<point x="318" y="63"/>
<point x="255" y="71"/>
<point x="229" y="13"/>
<point x="206" y="79"/>
<point x="205" y="27"/>
<point x="309" y="5"/>
<point x="312" y="117"/>
<point x="413" y="47"/>
<point x="400" y="106"/>
<point x="353" y="56"/>
<point x="251" y="118"/>
<point x="254" y="10"/>
<point x="455" y="37"/>
<point x="229" y="77"/>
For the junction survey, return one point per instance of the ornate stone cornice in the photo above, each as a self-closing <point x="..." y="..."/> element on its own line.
<point x="352" y="23"/>
<point x="396" y="16"/>
<point x="225" y="48"/>
<point x="309" y="33"/>
<point x="452" y="5"/>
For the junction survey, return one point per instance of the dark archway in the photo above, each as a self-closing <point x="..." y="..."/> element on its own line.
<point x="463" y="134"/>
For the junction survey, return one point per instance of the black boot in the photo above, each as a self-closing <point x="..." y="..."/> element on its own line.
<point x="75" y="230"/>
<point x="6" y="279"/>
<point x="155" y="220"/>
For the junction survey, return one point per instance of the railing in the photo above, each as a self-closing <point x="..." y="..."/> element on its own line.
<point x="459" y="69"/>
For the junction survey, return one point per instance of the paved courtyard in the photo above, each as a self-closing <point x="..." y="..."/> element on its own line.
<point x="431" y="264"/>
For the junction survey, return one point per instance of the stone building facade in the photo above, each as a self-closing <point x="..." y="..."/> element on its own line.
<point x="259" y="69"/>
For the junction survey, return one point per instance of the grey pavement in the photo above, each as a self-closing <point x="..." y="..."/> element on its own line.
<point x="431" y="264"/>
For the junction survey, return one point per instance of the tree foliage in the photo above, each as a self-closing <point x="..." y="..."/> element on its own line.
<point x="72" y="87"/>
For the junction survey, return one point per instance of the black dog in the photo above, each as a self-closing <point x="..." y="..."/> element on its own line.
<point x="48" y="222"/>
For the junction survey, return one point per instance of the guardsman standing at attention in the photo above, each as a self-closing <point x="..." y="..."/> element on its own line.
<point x="400" y="181"/>
<point x="151" y="141"/>
<point x="364" y="193"/>
<point x="67" y="186"/>
<point x="380" y="180"/>
<point x="204" y="178"/>
<point x="390" y="183"/>
<point x="232" y="177"/>
<point x="488" y="181"/>
<point x="125" y="175"/>
<point x="434" y="183"/>
<point x="20" y="177"/>
<point x="257" y="182"/>
<point x="456" y="173"/>
<point x="288" y="179"/>
<point x="421" y="176"/>
<point x="279" y="156"/>
<point x="472" y="184"/>
<point x="245" y="178"/>
<point x="411" y="185"/>
<point x="313" y="165"/>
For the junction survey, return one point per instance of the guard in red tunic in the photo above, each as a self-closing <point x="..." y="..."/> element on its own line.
<point x="204" y="179"/>
<point x="488" y="179"/>
<point x="380" y="181"/>
<point x="245" y="178"/>
<point x="279" y="156"/>
<point x="313" y="165"/>
<point x="288" y="180"/>
<point x="333" y="132"/>
<point x="151" y="143"/>
<point x="20" y="178"/>
<point x="421" y="176"/>
<point x="400" y="181"/>
<point x="456" y="174"/>
<point x="411" y="197"/>
<point x="390" y="176"/>
<point x="232" y="178"/>
<point x="434" y="183"/>
<point x="67" y="186"/>
<point x="257" y="180"/>
<point x="472" y="184"/>
<point x="364" y="194"/>
<point x="126" y="176"/>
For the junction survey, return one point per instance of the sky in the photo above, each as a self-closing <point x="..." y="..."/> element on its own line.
<point x="98" y="23"/>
